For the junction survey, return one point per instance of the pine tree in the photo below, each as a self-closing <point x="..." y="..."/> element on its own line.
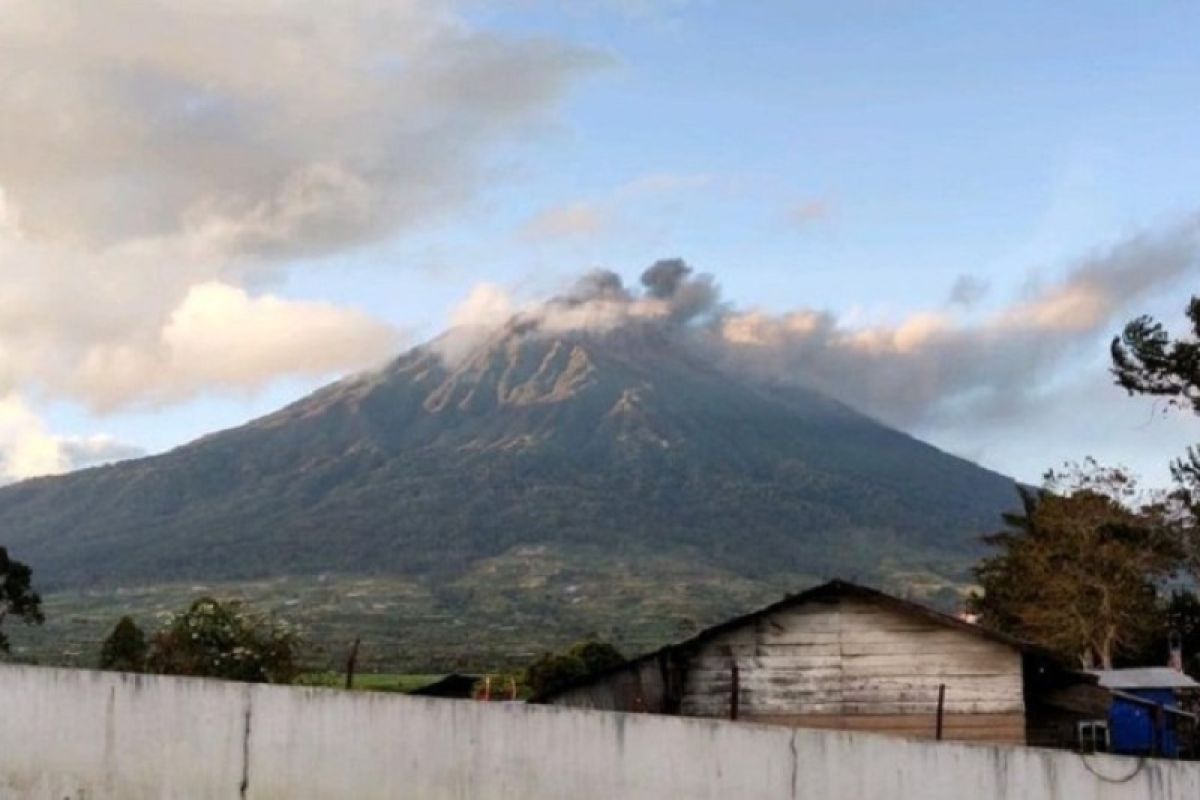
<point x="125" y="648"/>
<point x="1147" y="361"/>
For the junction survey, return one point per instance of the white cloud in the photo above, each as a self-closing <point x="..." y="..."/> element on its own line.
<point x="28" y="449"/>
<point x="576" y="220"/>
<point x="163" y="164"/>
<point x="487" y="305"/>
<point x="221" y="336"/>
<point x="934" y="366"/>
<point x="298" y="126"/>
<point x="120" y="326"/>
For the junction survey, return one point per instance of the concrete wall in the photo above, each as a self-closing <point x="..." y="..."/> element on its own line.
<point x="76" y="735"/>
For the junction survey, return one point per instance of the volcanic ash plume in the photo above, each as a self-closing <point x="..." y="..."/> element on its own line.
<point x="929" y="367"/>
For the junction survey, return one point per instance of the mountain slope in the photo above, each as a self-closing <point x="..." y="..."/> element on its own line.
<point x="629" y="447"/>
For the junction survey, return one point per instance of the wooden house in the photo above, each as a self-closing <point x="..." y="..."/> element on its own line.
<point x="848" y="657"/>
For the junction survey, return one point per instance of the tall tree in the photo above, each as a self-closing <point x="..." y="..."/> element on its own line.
<point x="1078" y="569"/>
<point x="17" y="597"/>
<point x="1146" y="360"/>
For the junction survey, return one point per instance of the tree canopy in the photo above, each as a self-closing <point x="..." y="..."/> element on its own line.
<point x="1079" y="567"/>
<point x="17" y="597"/>
<point x="221" y="640"/>
<point x="1147" y="360"/>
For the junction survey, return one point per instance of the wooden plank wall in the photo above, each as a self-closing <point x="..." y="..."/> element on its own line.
<point x="1051" y="715"/>
<point x="854" y="664"/>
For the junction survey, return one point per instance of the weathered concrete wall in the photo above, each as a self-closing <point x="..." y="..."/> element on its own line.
<point x="101" y="736"/>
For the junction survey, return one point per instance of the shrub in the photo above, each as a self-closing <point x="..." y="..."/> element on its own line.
<point x="220" y="640"/>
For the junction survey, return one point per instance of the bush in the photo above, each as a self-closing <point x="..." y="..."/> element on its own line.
<point x="554" y="671"/>
<point x="219" y="640"/>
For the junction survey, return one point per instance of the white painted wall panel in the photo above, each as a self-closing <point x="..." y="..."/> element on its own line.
<point x="76" y="735"/>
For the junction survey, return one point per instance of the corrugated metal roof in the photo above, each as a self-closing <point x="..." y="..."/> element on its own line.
<point x="1144" y="678"/>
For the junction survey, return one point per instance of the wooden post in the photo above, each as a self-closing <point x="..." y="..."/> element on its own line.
<point x="941" y="710"/>
<point x="734" y="694"/>
<point x="1156" y="727"/>
<point x="351" y="661"/>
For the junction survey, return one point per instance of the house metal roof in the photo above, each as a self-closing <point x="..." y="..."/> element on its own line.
<point x="1144" y="678"/>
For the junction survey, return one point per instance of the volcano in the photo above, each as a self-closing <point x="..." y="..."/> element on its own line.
<point x="532" y="470"/>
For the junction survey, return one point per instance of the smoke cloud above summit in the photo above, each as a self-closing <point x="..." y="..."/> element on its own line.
<point x="927" y="368"/>
<point x="671" y="294"/>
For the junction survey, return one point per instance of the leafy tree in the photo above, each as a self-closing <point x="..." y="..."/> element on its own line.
<point x="220" y="640"/>
<point x="1078" y="568"/>
<point x="1146" y="360"/>
<point x="125" y="648"/>
<point x="17" y="596"/>
<point x="553" y="671"/>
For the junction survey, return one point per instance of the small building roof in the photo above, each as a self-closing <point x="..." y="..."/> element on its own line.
<point x="454" y="685"/>
<point x="1144" y="678"/>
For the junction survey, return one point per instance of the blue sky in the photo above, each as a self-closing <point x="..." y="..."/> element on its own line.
<point x="857" y="158"/>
